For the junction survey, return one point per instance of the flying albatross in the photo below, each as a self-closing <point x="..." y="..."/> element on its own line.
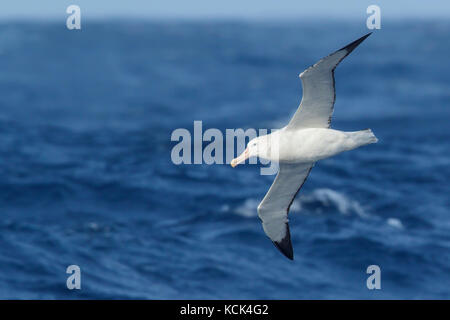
<point x="306" y="139"/>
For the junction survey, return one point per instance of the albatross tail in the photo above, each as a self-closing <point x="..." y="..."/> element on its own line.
<point x="363" y="137"/>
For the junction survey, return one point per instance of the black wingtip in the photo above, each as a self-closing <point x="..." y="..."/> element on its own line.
<point x="350" y="47"/>
<point x="285" y="245"/>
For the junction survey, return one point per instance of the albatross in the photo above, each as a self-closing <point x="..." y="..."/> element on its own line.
<point x="306" y="139"/>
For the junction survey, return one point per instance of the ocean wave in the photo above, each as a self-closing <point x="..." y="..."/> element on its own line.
<point x="248" y="208"/>
<point x="319" y="201"/>
<point x="395" y="223"/>
<point x="91" y="181"/>
<point x="324" y="199"/>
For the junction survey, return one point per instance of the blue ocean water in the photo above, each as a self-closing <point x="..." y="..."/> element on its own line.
<point x="87" y="179"/>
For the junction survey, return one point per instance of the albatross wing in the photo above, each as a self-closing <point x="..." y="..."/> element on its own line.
<point x="274" y="208"/>
<point x="317" y="104"/>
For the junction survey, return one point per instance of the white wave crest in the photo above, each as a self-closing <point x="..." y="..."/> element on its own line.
<point x="331" y="198"/>
<point x="248" y="208"/>
<point x="321" y="198"/>
<point x="396" y="223"/>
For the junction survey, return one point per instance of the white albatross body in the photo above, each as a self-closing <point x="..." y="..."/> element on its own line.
<point x="310" y="144"/>
<point x="305" y="140"/>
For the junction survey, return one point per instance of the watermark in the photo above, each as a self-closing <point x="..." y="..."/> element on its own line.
<point x="74" y="280"/>
<point x="213" y="147"/>
<point x="374" y="280"/>
<point x="374" y="20"/>
<point x="74" y="20"/>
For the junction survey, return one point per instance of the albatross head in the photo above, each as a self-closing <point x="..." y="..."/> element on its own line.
<point x="255" y="148"/>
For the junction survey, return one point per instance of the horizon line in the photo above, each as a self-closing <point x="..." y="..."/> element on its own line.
<point x="221" y="17"/>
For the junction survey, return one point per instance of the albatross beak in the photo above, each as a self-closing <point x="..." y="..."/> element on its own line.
<point x="244" y="156"/>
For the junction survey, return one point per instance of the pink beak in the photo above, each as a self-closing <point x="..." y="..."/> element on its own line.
<point x="244" y="156"/>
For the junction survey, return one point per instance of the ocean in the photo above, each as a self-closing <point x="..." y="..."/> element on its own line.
<point x="86" y="118"/>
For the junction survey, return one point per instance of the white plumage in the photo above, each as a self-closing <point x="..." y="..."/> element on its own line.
<point x="305" y="140"/>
